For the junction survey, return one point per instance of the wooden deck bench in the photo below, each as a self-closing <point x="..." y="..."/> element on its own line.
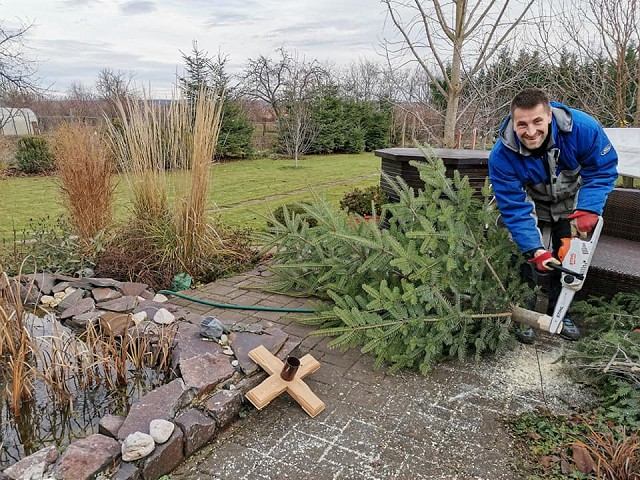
<point x="616" y="264"/>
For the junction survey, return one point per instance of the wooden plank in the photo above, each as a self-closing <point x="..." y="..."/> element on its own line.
<point x="308" y="400"/>
<point x="262" y="395"/>
<point x="266" y="360"/>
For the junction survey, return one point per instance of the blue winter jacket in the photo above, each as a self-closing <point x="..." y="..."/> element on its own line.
<point x="577" y="172"/>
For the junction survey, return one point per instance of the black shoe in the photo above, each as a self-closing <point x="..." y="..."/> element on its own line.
<point x="569" y="330"/>
<point x="526" y="335"/>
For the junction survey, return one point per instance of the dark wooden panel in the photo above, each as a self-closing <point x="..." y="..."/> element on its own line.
<point x="395" y="162"/>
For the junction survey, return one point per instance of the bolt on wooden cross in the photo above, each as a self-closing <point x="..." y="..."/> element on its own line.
<point x="273" y="386"/>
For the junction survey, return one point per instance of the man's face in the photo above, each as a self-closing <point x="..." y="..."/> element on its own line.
<point x="532" y="125"/>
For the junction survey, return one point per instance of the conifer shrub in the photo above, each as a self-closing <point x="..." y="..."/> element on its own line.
<point x="441" y="281"/>
<point x="33" y="155"/>
<point x="283" y="212"/>
<point x="364" y="201"/>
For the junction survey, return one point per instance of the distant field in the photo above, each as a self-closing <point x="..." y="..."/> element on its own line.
<point x="240" y="191"/>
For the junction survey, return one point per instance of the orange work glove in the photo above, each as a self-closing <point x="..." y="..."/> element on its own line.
<point x="541" y="260"/>
<point x="584" y="222"/>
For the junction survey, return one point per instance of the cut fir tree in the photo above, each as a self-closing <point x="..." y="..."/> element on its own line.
<point x="441" y="281"/>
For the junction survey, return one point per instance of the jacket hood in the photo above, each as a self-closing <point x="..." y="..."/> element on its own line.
<point x="561" y="120"/>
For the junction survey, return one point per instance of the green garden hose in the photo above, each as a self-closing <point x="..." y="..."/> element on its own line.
<point x="236" y="307"/>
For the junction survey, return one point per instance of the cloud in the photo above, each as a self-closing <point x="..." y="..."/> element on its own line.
<point x="90" y="57"/>
<point x="80" y="3"/>
<point x="137" y="7"/>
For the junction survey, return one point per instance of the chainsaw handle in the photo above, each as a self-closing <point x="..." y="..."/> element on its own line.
<point x="560" y="268"/>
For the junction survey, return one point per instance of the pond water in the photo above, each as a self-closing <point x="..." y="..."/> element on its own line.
<point x="45" y="420"/>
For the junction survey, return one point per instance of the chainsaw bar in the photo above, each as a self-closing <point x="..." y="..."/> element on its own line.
<point x="576" y="261"/>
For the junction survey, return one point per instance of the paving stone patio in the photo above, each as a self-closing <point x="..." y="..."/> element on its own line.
<point x="446" y="425"/>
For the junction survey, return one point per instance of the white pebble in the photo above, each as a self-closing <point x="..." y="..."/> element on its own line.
<point x="139" y="317"/>
<point x="160" y="430"/>
<point x="164" y="317"/>
<point x="46" y="299"/>
<point x="160" y="298"/>
<point x="137" y="445"/>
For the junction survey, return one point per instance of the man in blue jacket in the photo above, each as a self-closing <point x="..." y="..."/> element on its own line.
<point x="551" y="166"/>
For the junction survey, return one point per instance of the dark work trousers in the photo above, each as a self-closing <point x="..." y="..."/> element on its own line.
<point x="549" y="282"/>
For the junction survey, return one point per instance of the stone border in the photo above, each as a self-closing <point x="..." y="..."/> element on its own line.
<point x="205" y="399"/>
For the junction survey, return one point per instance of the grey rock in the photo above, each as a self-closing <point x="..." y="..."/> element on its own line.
<point x="212" y="328"/>
<point x="60" y="287"/>
<point x="110" y="424"/>
<point x="128" y="471"/>
<point x="103" y="282"/>
<point x="63" y="278"/>
<point x="29" y="295"/>
<point x="84" y="305"/>
<point x="251" y="382"/>
<point x="152" y="307"/>
<point x="160" y="430"/>
<point x="85" y="272"/>
<point x="147" y="295"/>
<point x="289" y="347"/>
<point x="85" y="458"/>
<point x="244" y="342"/>
<point x="136" y="446"/>
<point x="71" y="299"/>
<point x="33" y="466"/>
<point x="104" y="294"/>
<point x="198" y="429"/>
<point x="163" y="402"/>
<point x="132" y="289"/>
<point x="190" y="344"/>
<point x="122" y="304"/>
<point x="82" y="321"/>
<point x="205" y="371"/>
<point x="165" y="458"/>
<point x="44" y="281"/>
<point x="224" y="406"/>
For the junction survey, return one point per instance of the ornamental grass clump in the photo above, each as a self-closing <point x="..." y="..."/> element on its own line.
<point x="85" y="172"/>
<point x="165" y="152"/>
<point x="441" y="281"/>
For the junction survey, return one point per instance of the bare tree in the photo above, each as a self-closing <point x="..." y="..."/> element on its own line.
<point x="114" y="85"/>
<point x="82" y="101"/>
<point x="17" y="73"/>
<point x="603" y="35"/>
<point x="272" y="81"/>
<point x="451" y="42"/>
<point x="297" y="129"/>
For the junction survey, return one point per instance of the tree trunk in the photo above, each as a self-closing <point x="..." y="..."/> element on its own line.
<point x="533" y="319"/>
<point x="453" y="97"/>
<point x="636" y="116"/>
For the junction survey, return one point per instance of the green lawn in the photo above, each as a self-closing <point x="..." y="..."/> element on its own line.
<point x="240" y="191"/>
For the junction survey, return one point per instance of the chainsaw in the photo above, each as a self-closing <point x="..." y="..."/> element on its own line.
<point x="574" y="272"/>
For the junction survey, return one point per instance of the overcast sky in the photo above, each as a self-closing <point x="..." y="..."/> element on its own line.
<point x="73" y="39"/>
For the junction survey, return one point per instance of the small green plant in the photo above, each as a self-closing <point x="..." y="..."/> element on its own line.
<point x="363" y="202"/>
<point x="33" y="155"/>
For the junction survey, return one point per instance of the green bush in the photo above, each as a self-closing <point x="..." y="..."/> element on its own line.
<point x="49" y="245"/>
<point x="349" y="126"/>
<point x="359" y="201"/>
<point x="236" y="131"/>
<point x="33" y="155"/>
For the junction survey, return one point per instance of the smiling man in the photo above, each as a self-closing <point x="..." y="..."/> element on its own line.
<point x="551" y="166"/>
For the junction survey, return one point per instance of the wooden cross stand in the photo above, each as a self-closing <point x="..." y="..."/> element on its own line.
<point x="273" y="386"/>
